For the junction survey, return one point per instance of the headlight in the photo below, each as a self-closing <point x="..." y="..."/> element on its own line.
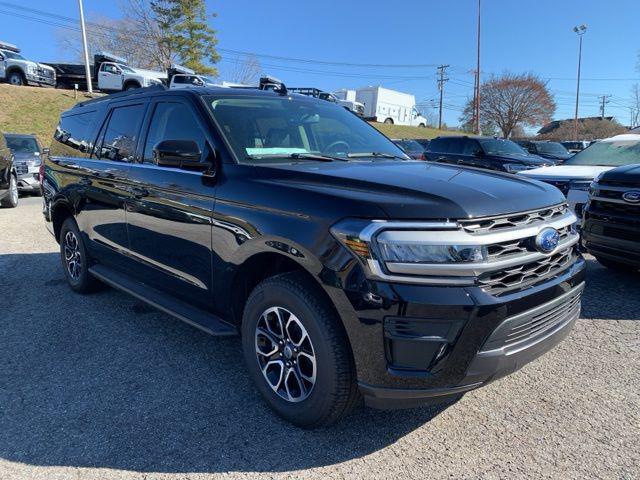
<point x="32" y="69"/>
<point x="517" y="167"/>
<point x="369" y="241"/>
<point x="579" y="185"/>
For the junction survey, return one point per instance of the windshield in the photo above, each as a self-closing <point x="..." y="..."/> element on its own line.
<point x="410" y="145"/>
<point x="265" y="128"/>
<point x="126" y="69"/>
<point x="22" y="144"/>
<point x="496" y="146"/>
<point x="13" y="55"/>
<point x="208" y="80"/>
<point x="551" y="148"/>
<point x="611" y="153"/>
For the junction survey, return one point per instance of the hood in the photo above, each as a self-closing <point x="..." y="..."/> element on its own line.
<point x="566" y="172"/>
<point x="556" y="156"/>
<point x="415" y="190"/>
<point x="629" y="174"/>
<point x="25" y="157"/>
<point x="526" y="159"/>
<point x="45" y="67"/>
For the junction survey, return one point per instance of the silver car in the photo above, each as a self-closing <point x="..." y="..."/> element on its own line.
<point x="28" y="157"/>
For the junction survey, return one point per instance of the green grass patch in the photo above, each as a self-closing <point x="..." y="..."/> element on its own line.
<point x="402" y="131"/>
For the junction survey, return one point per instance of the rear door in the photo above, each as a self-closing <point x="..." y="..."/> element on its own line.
<point x="169" y="214"/>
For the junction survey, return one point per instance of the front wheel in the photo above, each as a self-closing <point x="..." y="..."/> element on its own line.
<point x="11" y="199"/>
<point x="16" y="78"/>
<point x="297" y="352"/>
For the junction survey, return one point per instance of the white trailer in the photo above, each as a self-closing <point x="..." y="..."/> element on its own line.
<point x="390" y="106"/>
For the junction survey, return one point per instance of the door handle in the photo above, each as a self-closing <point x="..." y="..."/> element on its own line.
<point x="460" y="162"/>
<point x="139" y="192"/>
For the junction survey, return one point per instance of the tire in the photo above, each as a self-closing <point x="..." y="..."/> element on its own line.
<point x="11" y="198"/>
<point x="131" y="86"/>
<point x="72" y="249"/>
<point x="16" y="78"/>
<point x="618" y="266"/>
<point x="330" y="387"/>
<point x="388" y="121"/>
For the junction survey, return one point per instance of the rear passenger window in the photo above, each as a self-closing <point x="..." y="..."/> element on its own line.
<point x="172" y="121"/>
<point x="470" y="147"/>
<point x="121" y="134"/>
<point x="74" y="135"/>
<point x="438" y="145"/>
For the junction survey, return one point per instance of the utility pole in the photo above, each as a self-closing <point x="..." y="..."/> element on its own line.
<point x="604" y="99"/>
<point x="87" y="69"/>
<point x="441" y="81"/>
<point x="476" y="105"/>
<point x="580" y="31"/>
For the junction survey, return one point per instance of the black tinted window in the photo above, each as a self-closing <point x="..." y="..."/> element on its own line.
<point x="172" y="121"/>
<point x="470" y="146"/>
<point x="439" y="145"/>
<point x="456" y="145"/>
<point x="74" y="135"/>
<point x="121" y="135"/>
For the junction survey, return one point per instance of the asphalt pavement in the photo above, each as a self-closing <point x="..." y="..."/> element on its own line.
<point x="105" y="387"/>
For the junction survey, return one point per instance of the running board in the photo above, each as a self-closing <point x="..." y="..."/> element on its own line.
<point x="197" y="317"/>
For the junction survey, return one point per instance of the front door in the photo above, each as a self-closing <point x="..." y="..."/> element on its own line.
<point x="109" y="77"/>
<point x="170" y="209"/>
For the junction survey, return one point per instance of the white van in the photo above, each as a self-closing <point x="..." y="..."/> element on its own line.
<point x="390" y="106"/>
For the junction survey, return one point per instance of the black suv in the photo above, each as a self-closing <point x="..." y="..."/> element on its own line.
<point x="483" y="152"/>
<point x="611" y="222"/>
<point x="8" y="176"/>
<point x="348" y="269"/>
<point x="544" y="148"/>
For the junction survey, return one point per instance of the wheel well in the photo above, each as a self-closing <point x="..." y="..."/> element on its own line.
<point x="59" y="214"/>
<point x="14" y="70"/>
<point x="129" y="83"/>
<point x="255" y="270"/>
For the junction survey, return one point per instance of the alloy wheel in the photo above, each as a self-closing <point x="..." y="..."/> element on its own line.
<point x="72" y="255"/>
<point x="285" y="354"/>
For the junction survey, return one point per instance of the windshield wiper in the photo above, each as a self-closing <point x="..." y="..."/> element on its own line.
<point x="300" y="156"/>
<point x="374" y="155"/>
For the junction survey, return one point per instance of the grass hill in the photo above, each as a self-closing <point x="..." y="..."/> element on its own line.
<point x="36" y="110"/>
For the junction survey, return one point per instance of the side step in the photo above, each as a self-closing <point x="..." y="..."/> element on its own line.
<point x="197" y="317"/>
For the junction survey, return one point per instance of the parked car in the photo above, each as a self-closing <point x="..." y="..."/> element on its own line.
<point x="390" y="106"/>
<point x="483" y="152"/>
<point x="424" y="142"/>
<point x="28" y="157"/>
<point x="575" y="146"/>
<point x="552" y="150"/>
<point x="574" y="176"/>
<point x="8" y="177"/>
<point x="611" y="223"/>
<point x="109" y="73"/>
<point x="410" y="147"/>
<point x="349" y="270"/>
<point x="18" y="70"/>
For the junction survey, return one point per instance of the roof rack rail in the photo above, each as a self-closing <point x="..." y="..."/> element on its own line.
<point x="126" y="93"/>
<point x="9" y="46"/>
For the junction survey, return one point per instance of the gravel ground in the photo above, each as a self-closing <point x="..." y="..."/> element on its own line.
<point x="102" y="386"/>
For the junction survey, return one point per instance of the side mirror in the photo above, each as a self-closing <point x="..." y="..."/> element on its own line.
<point x="178" y="154"/>
<point x="45" y="151"/>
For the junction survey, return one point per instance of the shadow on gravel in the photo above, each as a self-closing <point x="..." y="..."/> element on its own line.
<point x="102" y="381"/>
<point x="609" y="294"/>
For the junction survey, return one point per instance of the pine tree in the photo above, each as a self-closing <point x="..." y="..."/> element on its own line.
<point x="185" y="31"/>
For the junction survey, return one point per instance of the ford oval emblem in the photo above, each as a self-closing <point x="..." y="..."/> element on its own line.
<point x="632" y="196"/>
<point x="547" y="240"/>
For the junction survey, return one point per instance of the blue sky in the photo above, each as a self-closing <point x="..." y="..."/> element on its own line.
<point x="517" y="36"/>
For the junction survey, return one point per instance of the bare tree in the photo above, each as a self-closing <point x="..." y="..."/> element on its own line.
<point x="247" y="71"/>
<point x="513" y="100"/>
<point x="135" y="36"/>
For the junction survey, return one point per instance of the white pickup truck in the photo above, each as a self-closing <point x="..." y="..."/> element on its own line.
<point x="17" y="70"/>
<point x="183" y="77"/>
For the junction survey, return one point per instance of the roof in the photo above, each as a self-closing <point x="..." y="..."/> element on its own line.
<point x="18" y="135"/>
<point x="625" y="137"/>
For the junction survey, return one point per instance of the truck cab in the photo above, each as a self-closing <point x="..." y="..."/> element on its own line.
<point x="17" y="70"/>
<point x="113" y="74"/>
<point x="183" y="77"/>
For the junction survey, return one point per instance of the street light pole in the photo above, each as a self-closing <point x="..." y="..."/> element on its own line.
<point x="477" y="95"/>
<point x="87" y="69"/>
<point x="580" y="31"/>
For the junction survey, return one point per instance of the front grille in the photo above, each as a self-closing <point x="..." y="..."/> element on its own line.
<point x="44" y="72"/>
<point x="527" y="275"/>
<point x="492" y="224"/>
<point x="21" y="168"/>
<point x="621" y="234"/>
<point x="502" y="250"/>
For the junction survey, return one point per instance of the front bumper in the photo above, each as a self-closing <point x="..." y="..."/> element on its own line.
<point x="29" y="182"/>
<point x="612" y="241"/>
<point x="40" y="80"/>
<point x="417" y="344"/>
